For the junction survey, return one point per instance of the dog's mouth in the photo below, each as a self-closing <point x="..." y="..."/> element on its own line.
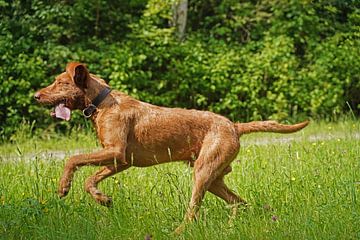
<point x="61" y="111"/>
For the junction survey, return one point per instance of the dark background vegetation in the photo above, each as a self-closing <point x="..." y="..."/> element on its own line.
<point x="248" y="60"/>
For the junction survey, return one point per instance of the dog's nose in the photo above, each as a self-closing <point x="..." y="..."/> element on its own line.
<point x="37" y="95"/>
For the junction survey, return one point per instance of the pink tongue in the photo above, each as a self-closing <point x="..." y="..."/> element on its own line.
<point x="62" y="112"/>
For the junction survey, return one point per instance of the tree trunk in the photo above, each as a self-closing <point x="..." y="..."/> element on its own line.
<point x="180" y="8"/>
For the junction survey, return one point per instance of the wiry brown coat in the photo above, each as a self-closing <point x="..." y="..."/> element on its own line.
<point x="135" y="133"/>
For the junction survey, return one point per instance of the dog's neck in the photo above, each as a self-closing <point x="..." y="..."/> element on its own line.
<point x="94" y="86"/>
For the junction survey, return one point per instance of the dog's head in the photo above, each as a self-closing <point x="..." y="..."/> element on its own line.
<point x="67" y="92"/>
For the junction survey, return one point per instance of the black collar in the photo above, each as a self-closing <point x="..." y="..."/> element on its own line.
<point x="89" y="110"/>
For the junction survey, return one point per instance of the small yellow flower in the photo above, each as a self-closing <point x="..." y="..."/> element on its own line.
<point x="322" y="143"/>
<point x="329" y="127"/>
<point x="338" y="139"/>
<point x="293" y="179"/>
<point x="314" y="143"/>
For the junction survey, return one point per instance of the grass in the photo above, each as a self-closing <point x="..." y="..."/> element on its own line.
<point x="308" y="188"/>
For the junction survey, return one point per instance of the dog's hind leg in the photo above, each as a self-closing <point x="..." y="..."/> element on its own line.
<point x="216" y="154"/>
<point x="202" y="180"/>
<point x="219" y="188"/>
<point x="92" y="182"/>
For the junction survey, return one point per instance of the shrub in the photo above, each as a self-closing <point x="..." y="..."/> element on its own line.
<point x="246" y="60"/>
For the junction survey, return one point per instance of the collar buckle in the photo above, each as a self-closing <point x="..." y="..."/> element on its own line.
<point x="89" y="110"/>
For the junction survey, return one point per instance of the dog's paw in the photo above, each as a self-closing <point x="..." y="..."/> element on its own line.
<point x="64" y="187"/>
<point x="62" y="192"/>
<point x="105" y="201"/>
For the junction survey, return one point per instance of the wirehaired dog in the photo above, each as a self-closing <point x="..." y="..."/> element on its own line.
<point x="135" y="133"/>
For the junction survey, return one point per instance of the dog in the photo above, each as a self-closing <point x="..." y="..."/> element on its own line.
<point x="139" y="134"/>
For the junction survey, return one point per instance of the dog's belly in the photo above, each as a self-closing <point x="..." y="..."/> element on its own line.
<point x="140" y="155"/>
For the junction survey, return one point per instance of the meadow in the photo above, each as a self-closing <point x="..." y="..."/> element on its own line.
<point x="300" y="186"/>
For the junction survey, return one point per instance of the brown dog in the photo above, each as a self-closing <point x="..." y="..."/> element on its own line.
<point x="134" y="133"/>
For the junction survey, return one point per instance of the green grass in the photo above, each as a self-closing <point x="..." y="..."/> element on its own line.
<point x="308" y="188"/>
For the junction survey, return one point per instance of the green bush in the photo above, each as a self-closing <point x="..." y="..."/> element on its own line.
<point x="247" y="60"/>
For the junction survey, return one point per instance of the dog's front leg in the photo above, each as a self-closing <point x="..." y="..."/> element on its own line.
<point x="106" y="156"/>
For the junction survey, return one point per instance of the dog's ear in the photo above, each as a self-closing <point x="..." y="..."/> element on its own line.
<point x="79" y="73"/>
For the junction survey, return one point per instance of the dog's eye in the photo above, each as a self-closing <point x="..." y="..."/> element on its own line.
<point x="63" y="83"/>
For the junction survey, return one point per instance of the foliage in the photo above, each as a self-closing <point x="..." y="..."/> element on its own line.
<point x="244" y="59"/>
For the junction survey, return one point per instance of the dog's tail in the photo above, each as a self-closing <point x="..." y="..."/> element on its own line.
<point x="268" y="126"/>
